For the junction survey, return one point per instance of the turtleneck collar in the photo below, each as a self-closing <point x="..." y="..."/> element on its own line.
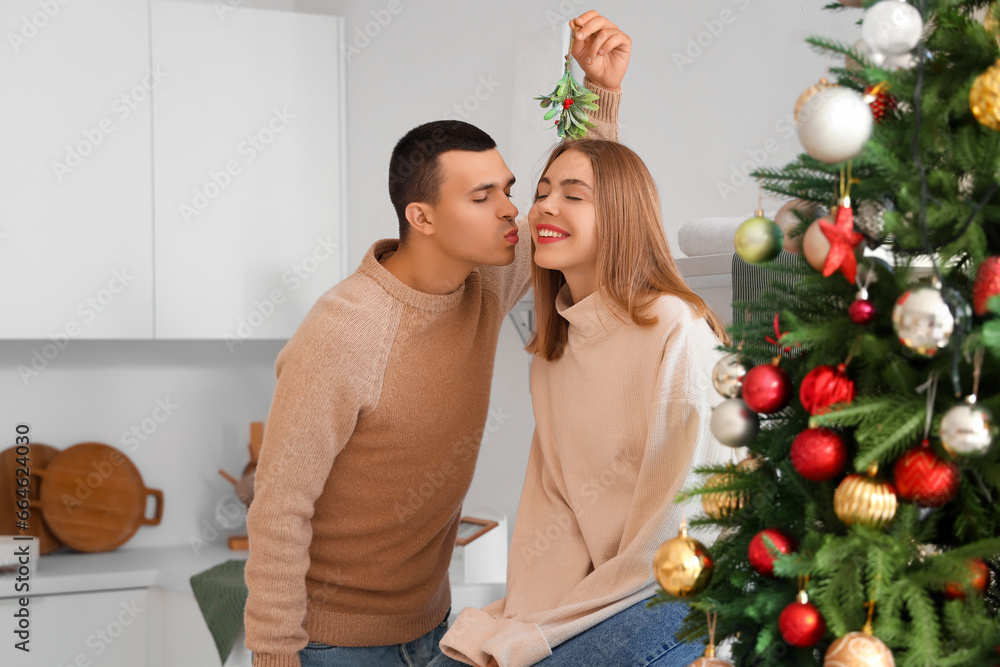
<point x="436" y="303"/>
<point x="591" y="317"/>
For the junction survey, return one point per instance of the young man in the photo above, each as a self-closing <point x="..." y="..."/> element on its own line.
<point x="384" y="386"/>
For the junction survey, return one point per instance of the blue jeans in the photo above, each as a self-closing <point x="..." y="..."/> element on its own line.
<point x="635" y="637"/>
<point x="417" y="653"/>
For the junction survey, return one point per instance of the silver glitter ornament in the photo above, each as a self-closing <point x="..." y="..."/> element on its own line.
<point x="922" y="320"/>
<point x="734" y="424"/>
<point x="870" y="220"/>
<point x="727" y="376"/>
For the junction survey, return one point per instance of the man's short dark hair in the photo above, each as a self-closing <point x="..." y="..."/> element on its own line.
<point x="415" y="171"/>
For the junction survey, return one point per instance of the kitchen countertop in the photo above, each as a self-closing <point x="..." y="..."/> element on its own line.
<point x="168" y="567"/>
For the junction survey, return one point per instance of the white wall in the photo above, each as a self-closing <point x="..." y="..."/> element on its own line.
<point x="693" y="125"/>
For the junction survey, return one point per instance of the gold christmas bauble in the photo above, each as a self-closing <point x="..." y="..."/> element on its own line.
<point x="865" y="500"/>
<point x="858" y="649"/>
<point x="719" y="504"/>
<point x="683" y="566"/>
<point x="984" y="97"/>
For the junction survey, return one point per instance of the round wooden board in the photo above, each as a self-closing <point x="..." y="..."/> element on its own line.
<point x="93" y="497"/>
<point x="39" y="456"/>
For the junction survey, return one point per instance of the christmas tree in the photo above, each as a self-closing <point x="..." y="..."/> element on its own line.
<point x="863" y="527"/>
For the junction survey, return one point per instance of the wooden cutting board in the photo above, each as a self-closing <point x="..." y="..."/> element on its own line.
<point x="39" y="456"/>
<point x="93" y="498"/>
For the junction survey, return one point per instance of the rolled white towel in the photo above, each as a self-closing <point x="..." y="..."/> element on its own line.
<point x="710" y="236"/>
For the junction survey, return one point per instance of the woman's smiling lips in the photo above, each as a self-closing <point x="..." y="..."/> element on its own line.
<point x="552" y="234"/>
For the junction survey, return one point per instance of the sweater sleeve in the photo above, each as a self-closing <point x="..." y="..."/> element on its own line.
<point x="678" y="440"/>
<point x="313" y="413"/>
<point x="511" y="282"/>
<point x="547" y="545"/>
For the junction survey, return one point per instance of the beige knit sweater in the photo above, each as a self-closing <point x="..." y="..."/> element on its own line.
<point x="369" y="448"/>
<point x="620" y="422"/>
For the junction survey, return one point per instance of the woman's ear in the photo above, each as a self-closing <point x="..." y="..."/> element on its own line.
<point x="419" y="215"/>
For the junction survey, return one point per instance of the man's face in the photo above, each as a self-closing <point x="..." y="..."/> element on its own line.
<point x="473" y="219"/>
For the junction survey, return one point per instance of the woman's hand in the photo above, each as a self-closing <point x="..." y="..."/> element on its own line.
<point x="602" y="50"/>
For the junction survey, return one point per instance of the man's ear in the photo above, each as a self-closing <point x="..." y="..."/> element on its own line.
<point x="420" y="216"/>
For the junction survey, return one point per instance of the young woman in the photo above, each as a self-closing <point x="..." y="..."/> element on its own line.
<point x="622" y="397"/>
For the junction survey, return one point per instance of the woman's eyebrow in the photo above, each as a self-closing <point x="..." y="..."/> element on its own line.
<point x="568" y="181"/>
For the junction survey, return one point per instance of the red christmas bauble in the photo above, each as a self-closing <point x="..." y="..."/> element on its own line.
<point x="987" y="284"/>
<point x="824" y="386"/>
<point x="819" y="454"/>
<point x="767" y="388"/>
<point x="882" y="103"/>
<point x="862" y="312"/>
<point x="801" y="624"/>
<point x="979" y="577"/>
<point x="760" y="556"/>
<point x="923" y="478"/>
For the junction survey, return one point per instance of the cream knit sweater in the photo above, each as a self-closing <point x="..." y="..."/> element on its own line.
<point x="369" y="448"/>
<point x="620" y="422"/>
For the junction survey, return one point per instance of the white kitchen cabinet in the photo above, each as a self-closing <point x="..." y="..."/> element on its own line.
<point x="99" y="629"/>
<point x="248" y="141"/>
<point x="76" y="212"/>
<point x="181" y="637"/>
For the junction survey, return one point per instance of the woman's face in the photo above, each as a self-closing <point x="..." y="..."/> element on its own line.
<point x="562" y="218"/>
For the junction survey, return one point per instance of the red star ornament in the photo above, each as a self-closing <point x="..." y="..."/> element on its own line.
<point x="843" y="240"/>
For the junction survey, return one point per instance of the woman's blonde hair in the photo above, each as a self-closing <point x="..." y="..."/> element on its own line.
<point x="634" y="264"/>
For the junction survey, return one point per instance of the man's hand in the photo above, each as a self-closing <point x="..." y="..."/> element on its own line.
<point x="602" y="51"/>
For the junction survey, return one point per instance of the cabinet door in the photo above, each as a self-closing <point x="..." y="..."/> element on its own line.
<point x="248" y="168"/>
<point x="102" y="629"/>
<point x="76" y="212"/>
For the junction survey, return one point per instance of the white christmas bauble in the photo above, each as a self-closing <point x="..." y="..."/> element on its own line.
<point x="892" y="27"/>
<point x="734" y="424"/>
<point x="872" y="56"/>
<point x="906" y="60"/>
<point x="967" y="430"/>
<point x="815" y="245"/>
<point x="835" y="124"/>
